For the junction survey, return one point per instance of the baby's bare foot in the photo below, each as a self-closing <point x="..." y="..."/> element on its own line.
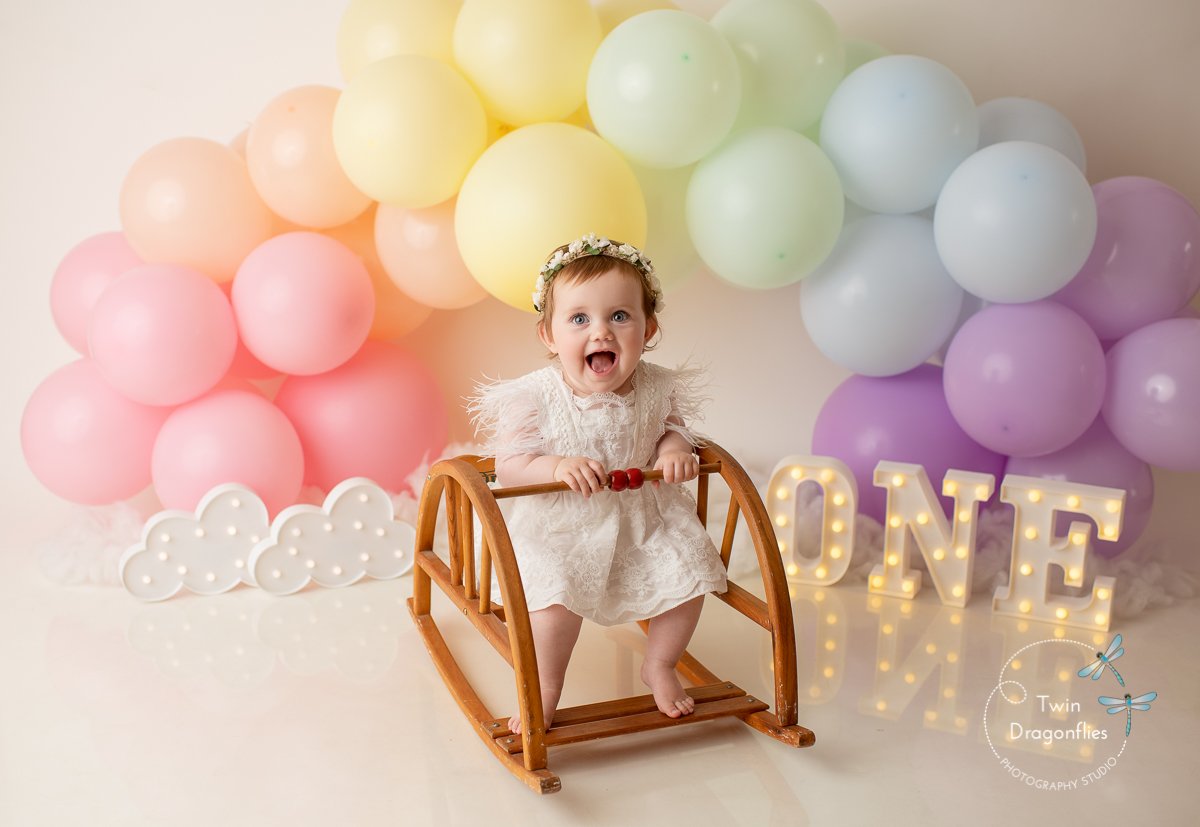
<point x="549" y="706"/>
<point x="669" y="695"/>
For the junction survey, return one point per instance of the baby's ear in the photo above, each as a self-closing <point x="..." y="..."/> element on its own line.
<point x="544" y="334"/>
<point x="651" y="328"/>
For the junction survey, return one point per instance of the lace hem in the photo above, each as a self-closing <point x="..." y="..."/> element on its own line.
<point x="655" y="606"/>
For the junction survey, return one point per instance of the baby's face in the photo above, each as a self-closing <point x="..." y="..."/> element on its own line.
<point x="598" y="331"/>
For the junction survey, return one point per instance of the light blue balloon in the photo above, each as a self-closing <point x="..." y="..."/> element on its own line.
<point x="765" y="209"/>
<point x="1024" y="119"/>
<point x="664" y="88"/>
<point x="882" y="303"/>
<point x="1015" y="222"/>
<point x="895" y="129"/>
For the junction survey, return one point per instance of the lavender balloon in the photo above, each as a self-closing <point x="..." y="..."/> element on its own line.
<point x="1152" y="405"/>
<point x="1025" y="379"/>
<point x="1097" y="458"/>
<point x="902" y="418"/>
<point x="1145" y="263"/>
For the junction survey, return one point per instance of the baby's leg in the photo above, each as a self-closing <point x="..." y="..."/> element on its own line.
<point x="555" y="630"/>
<point x="668" y="637"/>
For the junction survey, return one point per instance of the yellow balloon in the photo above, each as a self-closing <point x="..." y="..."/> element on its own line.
<point x="613" y="13"/>
<point x="374" y="29"/>
<point x="528" y="58"/>
<point x="407" y="129"/>
<point x="534" y="189"/>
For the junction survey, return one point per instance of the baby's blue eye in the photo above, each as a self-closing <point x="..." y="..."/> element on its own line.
<point x="620" y="316"/>
<point x="578" y="318"/>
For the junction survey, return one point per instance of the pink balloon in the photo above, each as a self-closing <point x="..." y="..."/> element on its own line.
<point x="227" y="436"/>
<point x="376" y="416"/>
<point x="1152" y="404"/>
<point x="1145" y="263"/>
<point x="86" y="442"/>
<point x="304" y="303"/>
<point x="244" y="363"/>
<point x="84" y="273"/>
<point x="162" y="334"/>
<point x="1097" y="458"/>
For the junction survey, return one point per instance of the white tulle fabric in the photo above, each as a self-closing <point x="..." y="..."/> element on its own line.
<point x="615" y="556"/>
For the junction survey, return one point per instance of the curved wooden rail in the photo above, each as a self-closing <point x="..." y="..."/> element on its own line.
<point x="459" y="485"/>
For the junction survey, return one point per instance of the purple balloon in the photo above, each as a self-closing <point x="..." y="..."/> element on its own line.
<point x="1025" y="379"/>
<point x="901" y="418"/>
<point x="1097" y="458"/>
<point x="1152" y="405"/>
<point x="1145" y="263"/>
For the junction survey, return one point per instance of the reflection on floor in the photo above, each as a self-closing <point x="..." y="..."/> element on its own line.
<point x="323" y="708"/>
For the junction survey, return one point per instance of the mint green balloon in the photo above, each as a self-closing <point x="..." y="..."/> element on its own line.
<point x="664" y="88"/>
<point x="859" y="52"/>
<point x="765" y="209"/>
<point x="791" y="58"/>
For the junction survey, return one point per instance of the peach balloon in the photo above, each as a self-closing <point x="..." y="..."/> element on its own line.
<point x="303" y="303"/>
<point x="396" y="313"/>
<point x="85" y="441"/>
<point x="420" y="254"/>
<point x="162" y="334"/>
<point x="376" y="416"/>
<point x="227" y="436"/>
<point x="190" y="201"/>
<point x="289" y="153"/>
<point x="84" y="273"/>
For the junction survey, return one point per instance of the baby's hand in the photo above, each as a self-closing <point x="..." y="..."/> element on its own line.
<point x="678" y="466"/>
<point x="583" y="475"/>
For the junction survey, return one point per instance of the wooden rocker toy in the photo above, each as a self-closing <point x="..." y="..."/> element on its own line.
<point x="461" y="484"/>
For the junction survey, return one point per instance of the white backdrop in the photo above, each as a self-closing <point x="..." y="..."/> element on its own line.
<point x="86" y="88"/>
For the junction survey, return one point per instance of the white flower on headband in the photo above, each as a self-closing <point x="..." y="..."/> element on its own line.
<point x="591" y="245"/>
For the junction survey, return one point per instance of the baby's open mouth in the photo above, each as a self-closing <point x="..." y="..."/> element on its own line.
<point x="601" y="362"/>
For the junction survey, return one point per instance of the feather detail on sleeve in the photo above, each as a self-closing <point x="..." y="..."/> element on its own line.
<point x="505" y="414"/>
<point x="686" y="392"/>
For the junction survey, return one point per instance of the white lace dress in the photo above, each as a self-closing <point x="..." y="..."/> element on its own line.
<point x="615" y="556"/>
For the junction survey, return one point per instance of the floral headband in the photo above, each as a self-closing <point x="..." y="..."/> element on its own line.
<point x="590" y="245"/>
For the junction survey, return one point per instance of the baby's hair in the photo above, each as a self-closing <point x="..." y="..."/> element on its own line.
<point x="589" y="268"/>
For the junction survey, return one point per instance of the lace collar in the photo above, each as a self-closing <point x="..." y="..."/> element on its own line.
<point x="604" y="398"/>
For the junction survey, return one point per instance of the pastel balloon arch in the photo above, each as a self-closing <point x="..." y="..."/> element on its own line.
<point x="995" y="307"/>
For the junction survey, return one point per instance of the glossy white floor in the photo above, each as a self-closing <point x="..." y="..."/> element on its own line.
<point x="323" y="708"/>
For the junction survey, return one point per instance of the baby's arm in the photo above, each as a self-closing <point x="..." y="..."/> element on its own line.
<point x="675" y="456"/>
<point x="583" y="475"/>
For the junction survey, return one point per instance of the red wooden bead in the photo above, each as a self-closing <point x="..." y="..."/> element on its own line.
<point x="636" y="478"/>
<point x="618" y="480"/>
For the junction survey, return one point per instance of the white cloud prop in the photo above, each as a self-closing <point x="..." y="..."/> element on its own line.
<point x="207" y="552"/>
<point x="353" y="535"/>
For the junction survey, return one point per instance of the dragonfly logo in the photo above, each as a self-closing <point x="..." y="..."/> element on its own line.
<point x="1044" y="722"/>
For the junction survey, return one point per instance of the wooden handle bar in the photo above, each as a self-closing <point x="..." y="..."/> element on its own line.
<point x="555" y="487"/>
